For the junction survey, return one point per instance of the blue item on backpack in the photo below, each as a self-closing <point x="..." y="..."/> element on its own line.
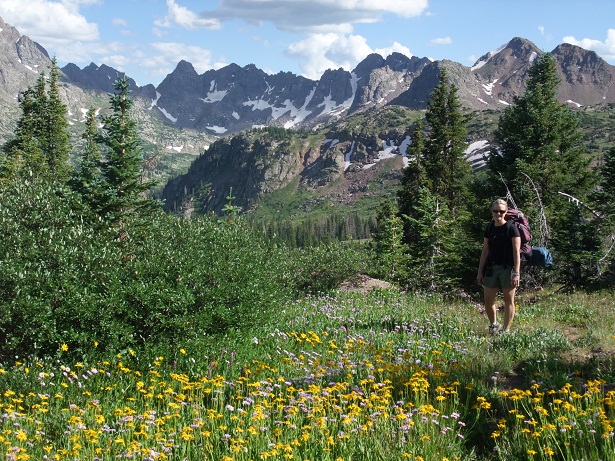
<point x="541" y="257"/>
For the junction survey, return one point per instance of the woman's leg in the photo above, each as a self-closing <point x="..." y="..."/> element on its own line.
<point x="509" y="306"/>
<point x="490" y="295"/>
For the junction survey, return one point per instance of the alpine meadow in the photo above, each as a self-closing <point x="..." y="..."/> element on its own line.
<point x="303" y="329"/>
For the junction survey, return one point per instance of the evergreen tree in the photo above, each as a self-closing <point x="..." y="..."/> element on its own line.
<point x="413" y="178"/>
<point x="40" y="146"/>
<point x="446" y="168"/>
<point x="23" y="156"/>
<point x="124" y="188"/>
<point x="433" y="194"/>
<point x="87" y="179"/>
<point x="603" y="199"/>
<point x="55" y="135"/>
<point x="387" y="242"/>
<point x="435" y="259"/>
<point x="539" y="136"/>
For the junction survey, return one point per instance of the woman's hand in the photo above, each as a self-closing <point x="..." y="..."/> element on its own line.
<point x="514" y="278"/>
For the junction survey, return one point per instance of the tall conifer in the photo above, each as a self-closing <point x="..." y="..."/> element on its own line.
<point x="446" y="168"/>
<point x="55" y="135"/>
<point x="122" y="169"/>
<point x="540" y="137"/>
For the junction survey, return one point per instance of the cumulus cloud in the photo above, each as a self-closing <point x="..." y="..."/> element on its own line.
<point x="605" y="49"/>
<point x="51" y="22"/>
<point x="167" y="54"/>
<point x="178" y="15"/>
<point x="394" y="48"/>
<point x="316" y="16"/>
<point x="320" y="52"/>
<point x="441" y="41"/>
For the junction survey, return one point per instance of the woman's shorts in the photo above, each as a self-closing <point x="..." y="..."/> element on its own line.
<point x="498" y="278"/>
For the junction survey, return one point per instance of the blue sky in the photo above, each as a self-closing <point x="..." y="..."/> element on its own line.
<point x="147" y="38"/>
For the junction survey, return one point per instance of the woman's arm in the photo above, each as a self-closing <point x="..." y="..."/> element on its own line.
<point x="483" y="260"/>
<point x="515" y="275"/>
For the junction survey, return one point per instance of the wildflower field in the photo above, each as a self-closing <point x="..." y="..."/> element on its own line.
<point x="378" y="376"/>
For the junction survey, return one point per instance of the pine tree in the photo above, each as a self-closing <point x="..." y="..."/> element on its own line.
<point x="55" y="136"/>
<point x="540" y="137"/>
<point x="603" y="199"/>
<point x="23" y="156"/>
<point x="387" y="242"/>
<point x="87" y="179"/>
<point x="435" y="259"/>
<point x="433" y="193"/>
<point x="413" y="178"/>
<point x="446" y="168"/>
<point x="40" y="147"/>
<point x="123" y="194"/>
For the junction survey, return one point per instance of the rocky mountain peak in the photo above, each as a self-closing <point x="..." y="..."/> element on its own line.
<point x="234" y="98"/>
<point x="93" y="77"/>
<point x="21" y="60"/>
<point x="587" y="79"/>
<point x="371" y="62"/>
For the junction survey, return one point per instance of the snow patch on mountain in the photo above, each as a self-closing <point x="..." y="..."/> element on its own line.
<point x="167" y="115"/>
<point x="476" y="152"/>
<point x="155" y="101"/>
<point x="217" y="129"/>
<point x="480" y="63"/>
<point x="214" y="96"/>
<point x="348" y="155"/>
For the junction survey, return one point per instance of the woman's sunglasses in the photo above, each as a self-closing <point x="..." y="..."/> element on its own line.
<point x="498" y="211"/>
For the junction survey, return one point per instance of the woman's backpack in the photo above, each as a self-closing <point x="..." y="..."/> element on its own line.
<point x="530" y="256"/>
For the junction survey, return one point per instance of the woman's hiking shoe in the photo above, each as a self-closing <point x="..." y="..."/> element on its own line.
<point x="494" y="328"/>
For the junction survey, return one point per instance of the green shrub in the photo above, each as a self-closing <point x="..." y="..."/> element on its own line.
<point x="67" y="281"/>
<point x="324" y="267"/>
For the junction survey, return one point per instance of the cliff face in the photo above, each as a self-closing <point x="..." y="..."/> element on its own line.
<point x="251" y="165"/>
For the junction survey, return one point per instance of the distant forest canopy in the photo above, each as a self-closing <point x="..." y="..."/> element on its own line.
<point x="315" y="230"/>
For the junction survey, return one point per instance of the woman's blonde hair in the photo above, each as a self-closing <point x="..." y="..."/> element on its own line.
<point x="500" y="202"/>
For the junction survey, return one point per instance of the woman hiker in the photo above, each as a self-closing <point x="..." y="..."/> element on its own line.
<point x="500" y="262"/>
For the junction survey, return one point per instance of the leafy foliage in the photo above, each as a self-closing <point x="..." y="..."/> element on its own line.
<point x="66" y="280"/>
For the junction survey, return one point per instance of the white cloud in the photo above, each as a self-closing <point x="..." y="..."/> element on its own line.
<point x="316" y="16"/>
<point x="395" y="48"/>
<point x="541" y="29"/>
<point x="178" y="15"/>
<point x="167" y="55"/>
<point x="320" y="52"/>
<point x="120" y="22"/>
<point x="605" y="49"/>
<point x="51" y="22"/>
<point x="441" y="41"/>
